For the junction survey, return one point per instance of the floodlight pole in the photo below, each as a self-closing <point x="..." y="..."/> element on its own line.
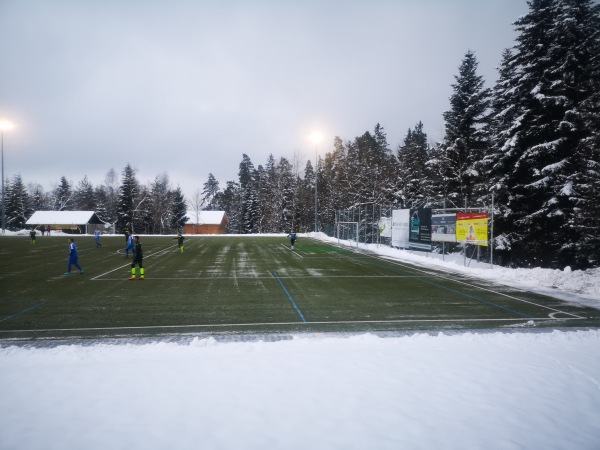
<point x="3" y="208"/>
<point x="316" y="177"/>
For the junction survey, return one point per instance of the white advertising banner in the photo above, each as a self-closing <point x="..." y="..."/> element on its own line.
<point x="400" y="227"/>
<point x="385" y="227"/>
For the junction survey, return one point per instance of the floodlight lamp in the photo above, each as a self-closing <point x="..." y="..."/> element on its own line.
<point x="5" y="125"/>
<point x="316" y="137"/>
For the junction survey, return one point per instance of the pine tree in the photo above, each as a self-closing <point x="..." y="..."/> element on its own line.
<point x="131" y="198"/>
<point x="16" y="204"/>
<point x="101" y="199"/>
<point x="39" y="200"/>
<point x="249" y="204"/>
<point x="209" y="191"/>
<point x="159" y="205"/>
<point x="229" y="200"/>
<point x="178" y="210"/>
<point x="83" y="196"/>
<point x="267" y="192"/>
<point x="466" y="139"/>
<point x="306" y="196"/>
<point x="336" y="183"/>
<point x="285" y="196"/>
<point x="413" y="187"/>
<point x="543" y="152"/>
<point x="63" y="196"/>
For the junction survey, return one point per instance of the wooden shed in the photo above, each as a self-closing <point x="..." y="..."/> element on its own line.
<point x="75" y="222"/>
<point x="207" y="222"/>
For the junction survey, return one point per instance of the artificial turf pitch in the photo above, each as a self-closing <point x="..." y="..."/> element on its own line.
<point x="248" y="284"/>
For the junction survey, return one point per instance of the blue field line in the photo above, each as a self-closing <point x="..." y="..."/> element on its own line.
<point x="37" y="305"/>
<point x="290" y="297"/>
<point x="479" y="299"/>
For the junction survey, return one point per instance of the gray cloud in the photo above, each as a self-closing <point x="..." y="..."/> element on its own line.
<point x="187" y="87"/>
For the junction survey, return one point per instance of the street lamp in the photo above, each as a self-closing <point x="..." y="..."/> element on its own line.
<point x="316" y="138"/>
<point x="4" y="125"/>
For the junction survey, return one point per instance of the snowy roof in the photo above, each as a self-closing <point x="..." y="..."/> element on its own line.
<point x="63" y="218"/>
<point x="206" y="218"/>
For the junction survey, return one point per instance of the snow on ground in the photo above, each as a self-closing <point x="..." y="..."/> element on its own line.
<point x="494" y="390"/>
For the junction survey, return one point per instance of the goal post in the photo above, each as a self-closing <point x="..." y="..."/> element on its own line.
<point x="347" y="231"/>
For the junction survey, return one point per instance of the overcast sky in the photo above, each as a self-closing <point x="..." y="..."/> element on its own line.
<point x="187" y="87"/>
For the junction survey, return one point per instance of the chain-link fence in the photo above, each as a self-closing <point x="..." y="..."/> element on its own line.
<point x="368" y="217"/>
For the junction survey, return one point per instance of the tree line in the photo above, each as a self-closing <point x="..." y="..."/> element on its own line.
<point x="532" y="141"/>
<point x="150" y="209"/>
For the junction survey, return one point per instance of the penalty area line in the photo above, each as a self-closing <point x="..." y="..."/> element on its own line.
<point x="157" y="253"/>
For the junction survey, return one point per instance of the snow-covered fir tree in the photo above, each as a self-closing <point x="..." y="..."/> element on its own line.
<point x="159" y="205"/>
<point x="209" y="191"/>
<point x="539" y="171"/>
<point x="466" y="138"/>
<point x="178" y="215"/>
<point x="63" y="196"/>
<point x="16" y="204"/>
<point x="131" y="199"/>
<point x="83" y="196"/>
<point x="413" y="186"/>
<point x="249" y="212"/>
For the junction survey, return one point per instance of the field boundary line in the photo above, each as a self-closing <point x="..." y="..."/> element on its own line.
<point x="260" y="324"/>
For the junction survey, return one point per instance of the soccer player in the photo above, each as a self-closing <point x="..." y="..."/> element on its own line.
<point x="292" y="237"/>
<point x="180" y="239"/>
<point x="32" y="234"/>
<point x="97" y="237"/>
<point x="137" y="259"/>
<point x="130" y="246"/>
<point x="73" y="258"/>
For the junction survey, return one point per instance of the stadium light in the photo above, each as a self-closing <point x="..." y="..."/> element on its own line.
<point x="5" y="125"/>
<point x="316" y="138"/>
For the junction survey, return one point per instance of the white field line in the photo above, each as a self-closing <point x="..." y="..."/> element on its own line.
<point x="427" y="273"/>
<point x="157" y="253"/>
<point x="436" y="275"/>
<point x="245" y="325"/>
<point x="491" y="290"/>
<point x="265" y="277"/>
<point x="293" y="252"/>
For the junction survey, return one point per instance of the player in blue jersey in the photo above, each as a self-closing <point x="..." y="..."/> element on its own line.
<point x="97" y="234"/>
<point x="130" y="246"/>
<point x="292" y="237"/>
<point x="73" y="257"/>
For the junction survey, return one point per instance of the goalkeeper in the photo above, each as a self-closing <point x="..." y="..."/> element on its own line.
<point x="137" y="259"/>
<point x="180" y="239"/>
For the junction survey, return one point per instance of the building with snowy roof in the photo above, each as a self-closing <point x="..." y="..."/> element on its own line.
<point x="75" y="222"/>
<point x="206" y="222"/>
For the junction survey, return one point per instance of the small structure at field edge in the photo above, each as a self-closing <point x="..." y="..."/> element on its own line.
<point x="73" y="222"/>
<point x="207" y="222"/>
